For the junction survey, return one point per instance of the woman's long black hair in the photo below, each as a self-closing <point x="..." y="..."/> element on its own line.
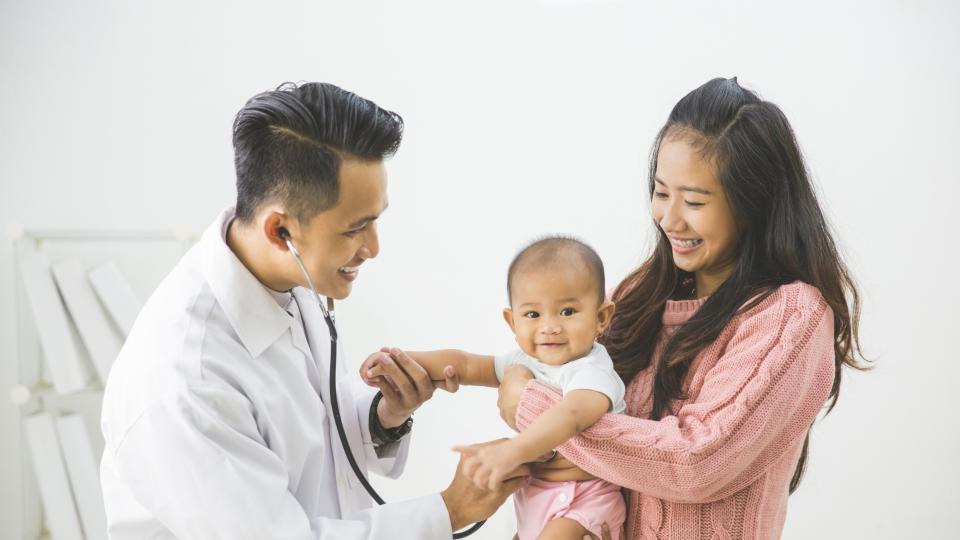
<point x="784" y="238"/>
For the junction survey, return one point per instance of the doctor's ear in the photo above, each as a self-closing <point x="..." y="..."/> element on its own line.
<point x="275" y="230"/>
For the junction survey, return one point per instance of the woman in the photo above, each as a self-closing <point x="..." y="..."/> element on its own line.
<point x="730" y="336"/>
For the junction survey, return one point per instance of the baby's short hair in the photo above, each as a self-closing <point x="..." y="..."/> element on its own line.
<point x="557" y="250"/>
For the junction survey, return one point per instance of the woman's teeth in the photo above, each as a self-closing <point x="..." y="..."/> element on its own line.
<point x="347" y="269"/>
<point x="686" y="243"/>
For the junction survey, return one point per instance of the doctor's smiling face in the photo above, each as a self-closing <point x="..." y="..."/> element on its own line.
<point x="310" y="163"/>
<point x="336" y="242"/>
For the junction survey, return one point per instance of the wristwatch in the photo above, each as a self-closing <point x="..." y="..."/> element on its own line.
<point x="381" y="435"/>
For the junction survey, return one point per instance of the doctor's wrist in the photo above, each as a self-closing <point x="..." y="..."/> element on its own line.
<point x="456" y="520"/>
<point x="387" y="417"/>
<point x="386" y="428"/>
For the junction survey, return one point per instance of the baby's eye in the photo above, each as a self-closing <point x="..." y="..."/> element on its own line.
<point x="566" y="312"/>
<point x="532" y="315"/>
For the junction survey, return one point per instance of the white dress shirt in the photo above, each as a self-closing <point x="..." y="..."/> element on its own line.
<point x="217" y="421"/>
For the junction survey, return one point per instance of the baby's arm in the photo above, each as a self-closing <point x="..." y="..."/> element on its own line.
<point x="472" y="369"/>
<point x="488" y="465"/>
<point x="577" y="411"/>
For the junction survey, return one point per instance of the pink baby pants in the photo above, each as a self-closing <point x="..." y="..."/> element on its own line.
<point x="590" y="503"/>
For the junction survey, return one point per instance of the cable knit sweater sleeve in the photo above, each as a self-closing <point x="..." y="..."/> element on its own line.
<point x="761" y="392"/>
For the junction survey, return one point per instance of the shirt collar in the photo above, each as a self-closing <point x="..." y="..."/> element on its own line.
<point x="250" y="309"/>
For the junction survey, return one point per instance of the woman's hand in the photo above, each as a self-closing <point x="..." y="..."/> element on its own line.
<point x="515" y="378"/>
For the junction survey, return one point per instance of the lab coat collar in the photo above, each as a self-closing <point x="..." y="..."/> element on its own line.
<point x="252" y="312"/>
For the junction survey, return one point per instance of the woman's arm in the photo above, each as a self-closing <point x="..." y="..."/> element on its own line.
<point x="515" y="379"/>
<point x="756" y="403"/>
<point x="557" y="469"/>
<point x="577" y="411"/>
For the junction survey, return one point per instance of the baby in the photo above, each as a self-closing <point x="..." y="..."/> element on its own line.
<point x="557" y="310"/>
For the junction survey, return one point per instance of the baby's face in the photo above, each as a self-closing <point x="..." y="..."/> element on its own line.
<point x="556" y="314"/>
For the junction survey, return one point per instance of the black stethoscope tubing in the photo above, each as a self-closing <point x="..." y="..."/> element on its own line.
<point x="343" y="435"/>
<point x="335" y="403"/>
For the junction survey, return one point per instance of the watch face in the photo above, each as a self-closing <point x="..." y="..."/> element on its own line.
<point x="403" y="428"/>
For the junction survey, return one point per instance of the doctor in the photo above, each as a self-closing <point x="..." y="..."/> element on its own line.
<point x="216" y="414"/>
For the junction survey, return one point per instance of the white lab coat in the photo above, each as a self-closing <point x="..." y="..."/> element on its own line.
<point x="217" y="421"/>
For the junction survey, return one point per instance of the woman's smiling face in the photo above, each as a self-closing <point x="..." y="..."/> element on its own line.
<point x="690" y="207"/>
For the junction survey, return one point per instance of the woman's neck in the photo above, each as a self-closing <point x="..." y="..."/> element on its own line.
<point x="707" y="282"/>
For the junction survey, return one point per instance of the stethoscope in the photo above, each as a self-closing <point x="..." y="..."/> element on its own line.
<point x="329" y="318"/>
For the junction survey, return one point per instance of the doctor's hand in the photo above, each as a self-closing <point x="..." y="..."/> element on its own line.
<point x="404" y="383"/>
<point x="467" y="503"/>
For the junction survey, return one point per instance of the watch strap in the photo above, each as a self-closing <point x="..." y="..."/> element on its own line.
<point x="381" y="435"/>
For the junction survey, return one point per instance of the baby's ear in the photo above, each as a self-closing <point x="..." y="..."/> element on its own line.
<point x="508" y="317"/>
<point x="604" y="315"/>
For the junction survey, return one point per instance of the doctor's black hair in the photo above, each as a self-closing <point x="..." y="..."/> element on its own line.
<point x="289" y="144"/>
<point x="554" y="251"/>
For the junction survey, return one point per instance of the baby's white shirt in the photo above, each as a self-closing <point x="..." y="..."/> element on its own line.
<point x="592" y="372"/>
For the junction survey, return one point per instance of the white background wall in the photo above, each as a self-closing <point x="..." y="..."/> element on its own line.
<point x="524" y="118"/>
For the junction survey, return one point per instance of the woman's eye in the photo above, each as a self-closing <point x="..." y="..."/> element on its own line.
<point x="659" y="194"/>
<point x="355" y="232"/>
<point x="692" y="204"/>
<point x="566" y="312"/>
<point x="531" y="315"/>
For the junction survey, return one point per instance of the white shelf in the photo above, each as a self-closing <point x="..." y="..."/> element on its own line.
<point x="144" y="258"/>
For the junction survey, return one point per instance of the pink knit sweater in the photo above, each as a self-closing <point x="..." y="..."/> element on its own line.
<point x="720" y="467"/>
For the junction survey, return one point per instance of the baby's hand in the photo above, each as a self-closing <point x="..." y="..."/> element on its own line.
<point x="489" y="464"/>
